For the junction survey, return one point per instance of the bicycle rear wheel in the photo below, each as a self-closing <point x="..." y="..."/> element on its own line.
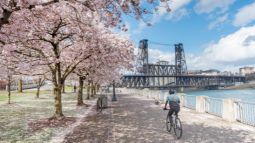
<point x="168" y="124"/>
<point x="178" y="128"/>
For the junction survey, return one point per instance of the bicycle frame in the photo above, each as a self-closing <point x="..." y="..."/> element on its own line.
<point x="175" y="123"/>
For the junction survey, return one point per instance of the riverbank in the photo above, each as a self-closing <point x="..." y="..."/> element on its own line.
<point x="243" y="86"/>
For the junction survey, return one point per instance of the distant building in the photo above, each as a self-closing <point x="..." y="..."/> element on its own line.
<point x="211" y="72"/>
<point x="163" y="63"/>
<point x="195" y="72"/>
<point x="227" y="73"/>
<point x="246" y="70"/>
<point x="3" y="84"/>
<point x="205" y="72"/>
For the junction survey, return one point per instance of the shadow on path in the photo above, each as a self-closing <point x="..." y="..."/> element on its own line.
<point x="137" y="120"/>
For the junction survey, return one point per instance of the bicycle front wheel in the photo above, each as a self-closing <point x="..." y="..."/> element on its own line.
<point x="168" y="124"/>
<point x="178" y="128"/>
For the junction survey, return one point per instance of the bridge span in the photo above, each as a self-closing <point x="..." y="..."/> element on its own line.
<point x="164" y="75"/>
<point x="166" y="81"/>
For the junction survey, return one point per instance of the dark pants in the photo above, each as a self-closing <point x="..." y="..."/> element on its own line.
<point x="174" y="110"/>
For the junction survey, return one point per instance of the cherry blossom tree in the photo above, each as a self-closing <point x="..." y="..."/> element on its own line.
<point x="49" y="37"/>
<point x="60" y="34"/>
<point x="7" y="73"/>
<point x="40" y="81"/>
<point x="110" y="11"/>
<point x="115" y="53"/>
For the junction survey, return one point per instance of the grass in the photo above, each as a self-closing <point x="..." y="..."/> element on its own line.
<point x="25" y="108"/>
<point x="68" y="88"/>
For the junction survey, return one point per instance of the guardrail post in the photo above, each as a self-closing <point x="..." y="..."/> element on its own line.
<point x="182" y="96"/>
<point x="200" y="104"/>
<point x="228" y="112"/>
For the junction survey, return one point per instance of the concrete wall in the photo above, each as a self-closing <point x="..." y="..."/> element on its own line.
<point x="228" y="111"/>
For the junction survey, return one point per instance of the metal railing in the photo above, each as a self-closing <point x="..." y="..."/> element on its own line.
<point x="214" y="106"/>
<point x="245" y="112"/>
<point x="189" y="101"/>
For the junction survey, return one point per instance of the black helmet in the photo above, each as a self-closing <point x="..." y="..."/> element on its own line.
<point x="171" y="91"/>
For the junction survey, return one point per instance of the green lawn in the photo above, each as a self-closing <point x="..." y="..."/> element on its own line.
<point x="25" y="108"/>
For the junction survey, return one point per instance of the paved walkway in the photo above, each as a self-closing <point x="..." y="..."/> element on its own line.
<point x="135" y="119"/>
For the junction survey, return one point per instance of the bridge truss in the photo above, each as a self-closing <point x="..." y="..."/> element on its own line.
<point x="163" y="75"/>
<point x="146" y="81"/>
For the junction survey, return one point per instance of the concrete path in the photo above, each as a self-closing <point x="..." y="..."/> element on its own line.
<point x="134" y="119"/>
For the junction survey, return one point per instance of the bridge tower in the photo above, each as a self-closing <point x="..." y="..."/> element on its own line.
<point x="143" y="56"/>
<point x="180" y="61"/>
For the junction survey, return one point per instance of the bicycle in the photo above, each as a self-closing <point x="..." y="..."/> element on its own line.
<point x="175" y="123"/>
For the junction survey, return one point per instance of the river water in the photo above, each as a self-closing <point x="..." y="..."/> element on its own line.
<point x="247" y="95"/>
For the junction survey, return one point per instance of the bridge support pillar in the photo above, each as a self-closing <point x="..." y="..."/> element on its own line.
<point x="228" y="112"/>
<point x="180" y="89"/>
<point x="200" y="104"/>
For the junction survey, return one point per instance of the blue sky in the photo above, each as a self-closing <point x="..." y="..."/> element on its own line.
<point x="214" y="33"/>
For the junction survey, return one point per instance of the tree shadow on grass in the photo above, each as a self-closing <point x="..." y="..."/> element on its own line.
<point x="51" y="122"/>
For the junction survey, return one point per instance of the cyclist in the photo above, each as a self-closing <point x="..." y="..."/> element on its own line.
<point x="174" y="103"/>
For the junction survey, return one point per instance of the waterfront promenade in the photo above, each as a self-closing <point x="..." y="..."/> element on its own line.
<point x="136" y="119"/>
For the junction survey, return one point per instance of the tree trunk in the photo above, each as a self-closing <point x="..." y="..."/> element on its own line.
<point x="63" y="88"/>
<point x="20" y="86"/>
<point x="38" y="88"/>
<point x="80" y="92"/>
<point x="58" y="101"/>
<point x="98" y="87"/>
<point x="113" y="90"/>
<point x="74" y="88"/>
<point x="91" y="89"/>
<point x="58" y="85"/>
<point x="38" y="92"/>
<point x="88" y="90"/>
<point x="9" y="90"/>
<point x="94" y="89"/>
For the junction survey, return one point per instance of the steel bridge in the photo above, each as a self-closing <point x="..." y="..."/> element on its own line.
<point x="163" y="75"/>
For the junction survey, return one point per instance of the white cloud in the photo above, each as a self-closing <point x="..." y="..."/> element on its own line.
<point x="234" y="47"/>
<point x="177" y="13"/>
<point x="245" y="15"/>
<point x="155" y="55"/>
<point x="142" y="25"/>
<point x="207" y="6"/>
<point x="229" y="53"/>
<point x="177" y="4"/>
<point x="177" y="9"/>
<point x="218" y="21"/>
